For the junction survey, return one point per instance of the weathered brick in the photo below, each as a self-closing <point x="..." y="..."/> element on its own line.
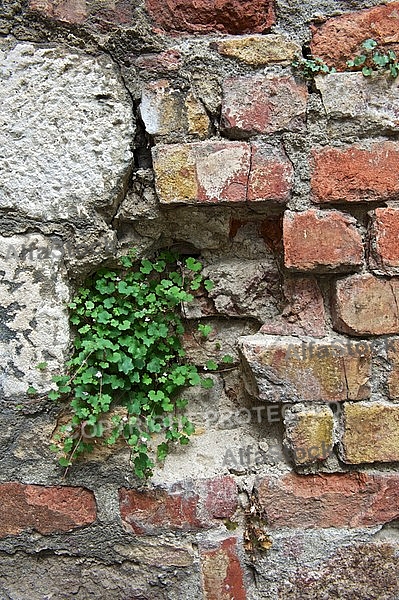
<point x="341" y="37"/>
<point x="167" y="111"/>
<point x="368" y="105"/>
<point x="392" y="346"/>
<point x="356" y="174"/>
<point x="69" y="11"/>
<point x="367" y="568"/>
<point x="366" y="305"/>
<point x="260" y="104"/>
<point x="293" y="370"/>
<point x="330" y="500"/>
<point x="384" y="234"/>
<point x="321" y="241"/>
<point x="167" y="61"/>
<point x="204" y="16"/>
<point x="222" y="576"/>
<point x="271" y="175"/>
<point x="216" y="172"/>
<point x="105" y="16"/>
<point x="259" y="50"/>
<point x="202" y="172"/>
<point x="309" y="433"/>
<point x="303" y="310"/>
<point x="371" y="433"/>
<point x="44" y="509"/>
<point x="184" y="506"/>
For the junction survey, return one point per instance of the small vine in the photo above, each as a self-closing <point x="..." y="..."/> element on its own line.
<point x="372" y="60"/>
<point x="128" y="369"/>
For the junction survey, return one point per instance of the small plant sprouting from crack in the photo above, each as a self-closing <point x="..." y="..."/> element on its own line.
<point x="128" y="372"/>
<point x="372" y="60"/>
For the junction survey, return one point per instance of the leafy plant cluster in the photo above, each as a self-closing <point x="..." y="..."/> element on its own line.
<point x="371" y="60"/>
<point x="128" y="363"/>
<point x="311" y="66"/>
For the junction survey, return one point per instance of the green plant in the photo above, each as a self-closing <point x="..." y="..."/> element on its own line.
<point x="311" y="66"/>
<point x="128" y="369"/>
<point x="373" y="60"/>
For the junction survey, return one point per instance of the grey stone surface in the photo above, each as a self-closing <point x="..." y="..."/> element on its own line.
<point x="372" y="104"/>
<point x="63" y="578"/>
<point x="34" y="323"/>
<point x="66" y="129"/>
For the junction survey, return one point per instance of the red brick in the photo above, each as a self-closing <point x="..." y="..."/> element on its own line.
<point x="271" y="175"/>
<point x="329" y="500"/>
<point x="219" y="498"/>
<point x="341" y="37"/>
<point x="222" y="576"/>
<point x="184" y="506"/>
<point x="259" y="104"/>
<point x="220" y="171"/>
<point x="204" y="16"/>
<point x="355" y="174"/>
<point x="321" y="241"/>
<point x="298" y="370"/>
<point x="366" y="305"/>
<point x="303" y="311"/>
<point x="385" y="241"/>
<point x="44" y="509"/>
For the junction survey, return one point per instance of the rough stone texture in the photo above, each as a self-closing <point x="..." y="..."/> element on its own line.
<point x="294" y="370"/>
<point x="372" y="105"/>
<point x="66" y="131"/>
<point x="393" y="376"/>
<point x="271" y="174"/>
<point x="222" y="576"/>
<point x="355" y="174"/>
<point x="184" y="507"/>
<point x="265" y="104"/>
<point x="167" y="61"/>
<point x="321" y="241"/>
<point x="105" y="16"/>
<point x="69" y="11"/>
<point x="44" y="509"/>
<point x="362" y="571"/>
<point x="167" y="111"/>
<point x="384" y="232"/>
<point x="32" y="265"/>
<point x="309" y="433"/>
<point x="204" y="16"/>
<point x="221" y="340"/>
<point x="216" y="171"/>
<point x="341" y="37"/>
<point x="259" y="50"/>
<point x="329" y="500"/>
<point x="371" y="433"/>
<point x="245" y="288"/>
<point x="366" y="305"/>
<point x="234" y="223"/>
<point x="302" y="311"/>
<point x="75" y="577"/>
<point x="202" y="172"/>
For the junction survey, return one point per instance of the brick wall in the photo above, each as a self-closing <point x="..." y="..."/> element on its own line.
<point x="155" y="124"/>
